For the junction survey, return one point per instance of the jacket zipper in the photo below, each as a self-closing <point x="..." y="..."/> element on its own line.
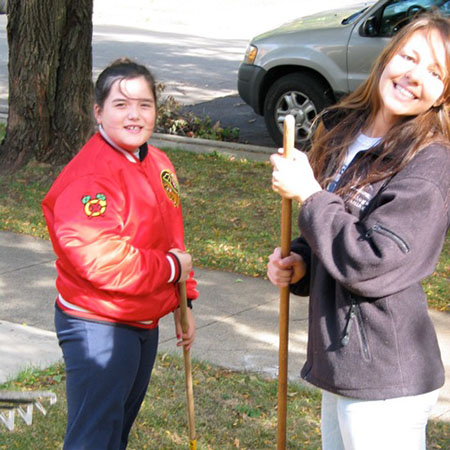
<point x="355" y="312"/>
<point x="348" y="325"/>
<point x="377" y="228"/>
<point x="362" y="333"/>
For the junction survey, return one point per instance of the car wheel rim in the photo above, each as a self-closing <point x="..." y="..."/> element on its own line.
<point x="302" y="108"/>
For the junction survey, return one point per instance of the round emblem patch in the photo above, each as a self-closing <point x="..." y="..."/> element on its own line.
<point x="170" y="184"/>
<point x="94" y="207"/>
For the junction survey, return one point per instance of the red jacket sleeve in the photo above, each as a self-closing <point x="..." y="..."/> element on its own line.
<point x="96" y="245"/>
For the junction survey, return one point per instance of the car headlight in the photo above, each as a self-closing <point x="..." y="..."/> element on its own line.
<point x="250" y="54"/>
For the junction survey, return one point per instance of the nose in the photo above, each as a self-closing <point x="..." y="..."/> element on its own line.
<point x="133" y="112"/>
<point x="416" y="74"/>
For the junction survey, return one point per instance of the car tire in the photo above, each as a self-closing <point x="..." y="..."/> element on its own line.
<point x="297" y="94"/>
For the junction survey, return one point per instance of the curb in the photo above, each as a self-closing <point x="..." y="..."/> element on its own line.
<point x="198" y="145"/>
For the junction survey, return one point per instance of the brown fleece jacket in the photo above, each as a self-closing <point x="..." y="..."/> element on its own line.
<point x="370" y="335"/>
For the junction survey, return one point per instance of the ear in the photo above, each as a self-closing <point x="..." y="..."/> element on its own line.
<point x="98" y="114"/>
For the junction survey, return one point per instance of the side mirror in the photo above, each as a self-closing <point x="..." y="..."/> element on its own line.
<point x="369" y="27"/>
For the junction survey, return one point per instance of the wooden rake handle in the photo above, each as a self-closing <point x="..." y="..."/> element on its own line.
<point x="188" y="370"/>
<point x="286" y="232"/>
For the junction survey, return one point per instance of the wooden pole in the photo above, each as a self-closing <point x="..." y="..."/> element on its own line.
<point x="188" y="371"/>
<point x="286" y="214"/>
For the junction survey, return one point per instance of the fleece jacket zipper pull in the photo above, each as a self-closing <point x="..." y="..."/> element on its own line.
<point x="348" y="325"/>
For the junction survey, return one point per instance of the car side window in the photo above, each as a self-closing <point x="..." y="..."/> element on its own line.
<point x="397" y="13"/>
<point x="445" y="9"/>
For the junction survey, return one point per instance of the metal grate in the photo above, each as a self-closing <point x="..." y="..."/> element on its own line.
<point x="23" y="403"/>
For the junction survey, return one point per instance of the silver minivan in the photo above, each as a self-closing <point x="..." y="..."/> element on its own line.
<point x="305" y="65"/>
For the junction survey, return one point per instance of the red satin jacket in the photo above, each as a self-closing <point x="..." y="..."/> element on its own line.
<point x="112" y="220"/>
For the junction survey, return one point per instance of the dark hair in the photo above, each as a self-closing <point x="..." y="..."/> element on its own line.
<point x="402" y="142"/>
<point x="120" y="69"/>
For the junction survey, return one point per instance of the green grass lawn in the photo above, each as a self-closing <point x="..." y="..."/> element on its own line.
<point x="233" y="410"/>
<point x="231" y="214"/>
<point x="232" y="223"/>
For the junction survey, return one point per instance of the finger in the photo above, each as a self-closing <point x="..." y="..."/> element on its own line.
<point x="287" y="262"/>
<point x="276" y="255"/>
<point x="276" y="181"/>
<point x="275" y="186"/>
<point x="186" y="343"/>
<point x="188" y="346"/>
<point x="188" y="334"/>
<point x="281" y="266"/>
<point x="278" y="282"/>
<point x="275" y="159"/>
<point x="279" y="277"/>
<point x="284" y="278"/>
<point x="178" y="330"/>
<point x="279" y="269"/>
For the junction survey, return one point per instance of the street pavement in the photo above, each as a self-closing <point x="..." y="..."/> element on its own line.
<point x="194" y="48"/>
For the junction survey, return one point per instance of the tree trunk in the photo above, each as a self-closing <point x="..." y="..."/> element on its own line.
<point x="50" y="80"/>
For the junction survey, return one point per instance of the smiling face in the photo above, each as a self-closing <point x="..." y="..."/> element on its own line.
<point x="128" y="114"/>
<point x="413" y="80"/>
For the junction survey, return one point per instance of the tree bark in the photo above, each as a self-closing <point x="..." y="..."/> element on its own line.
<point x="50" y="81"/>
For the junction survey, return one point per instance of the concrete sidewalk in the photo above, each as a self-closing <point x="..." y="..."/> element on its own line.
<point x="237" y="319"/>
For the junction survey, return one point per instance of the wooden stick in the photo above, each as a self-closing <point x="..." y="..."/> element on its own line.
<point x="286" y="214"/>
<point x="188" y="370"/>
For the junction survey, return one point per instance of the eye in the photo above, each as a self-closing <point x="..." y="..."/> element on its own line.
<point x="147" y="105"/>
<point x="119" y="104"/>
<point x="436" y="74"/>
<point x="407" y="57"/>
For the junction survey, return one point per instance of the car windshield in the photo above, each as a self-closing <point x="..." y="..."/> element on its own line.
<point x="353" y="17"/>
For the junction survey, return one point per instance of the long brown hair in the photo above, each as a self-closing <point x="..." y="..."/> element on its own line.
<point x="339" y="125"/>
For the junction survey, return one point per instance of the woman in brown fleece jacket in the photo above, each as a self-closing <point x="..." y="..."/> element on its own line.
<point x="375" y="213"/>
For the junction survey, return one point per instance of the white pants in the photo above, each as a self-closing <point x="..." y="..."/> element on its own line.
<point x="393" y="424"/>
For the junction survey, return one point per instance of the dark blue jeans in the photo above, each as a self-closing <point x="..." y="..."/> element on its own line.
<point x="108" y="369"/>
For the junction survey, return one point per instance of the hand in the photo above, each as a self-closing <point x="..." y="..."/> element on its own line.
<point x="293" y="178"/>
<point x="184" y="339"/>
<point x="185" y="262"/>
<point x="285" y="271"/>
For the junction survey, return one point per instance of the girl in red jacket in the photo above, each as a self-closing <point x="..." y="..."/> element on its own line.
<point x="115" y="221"/>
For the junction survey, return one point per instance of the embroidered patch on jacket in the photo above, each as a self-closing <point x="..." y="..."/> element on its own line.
<point x="94" y="207"/>
<point x="358" y="199"/>
<point x="170" y="184"/>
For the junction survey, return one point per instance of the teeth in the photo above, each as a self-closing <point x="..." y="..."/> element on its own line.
<point x="404" y="91"/>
